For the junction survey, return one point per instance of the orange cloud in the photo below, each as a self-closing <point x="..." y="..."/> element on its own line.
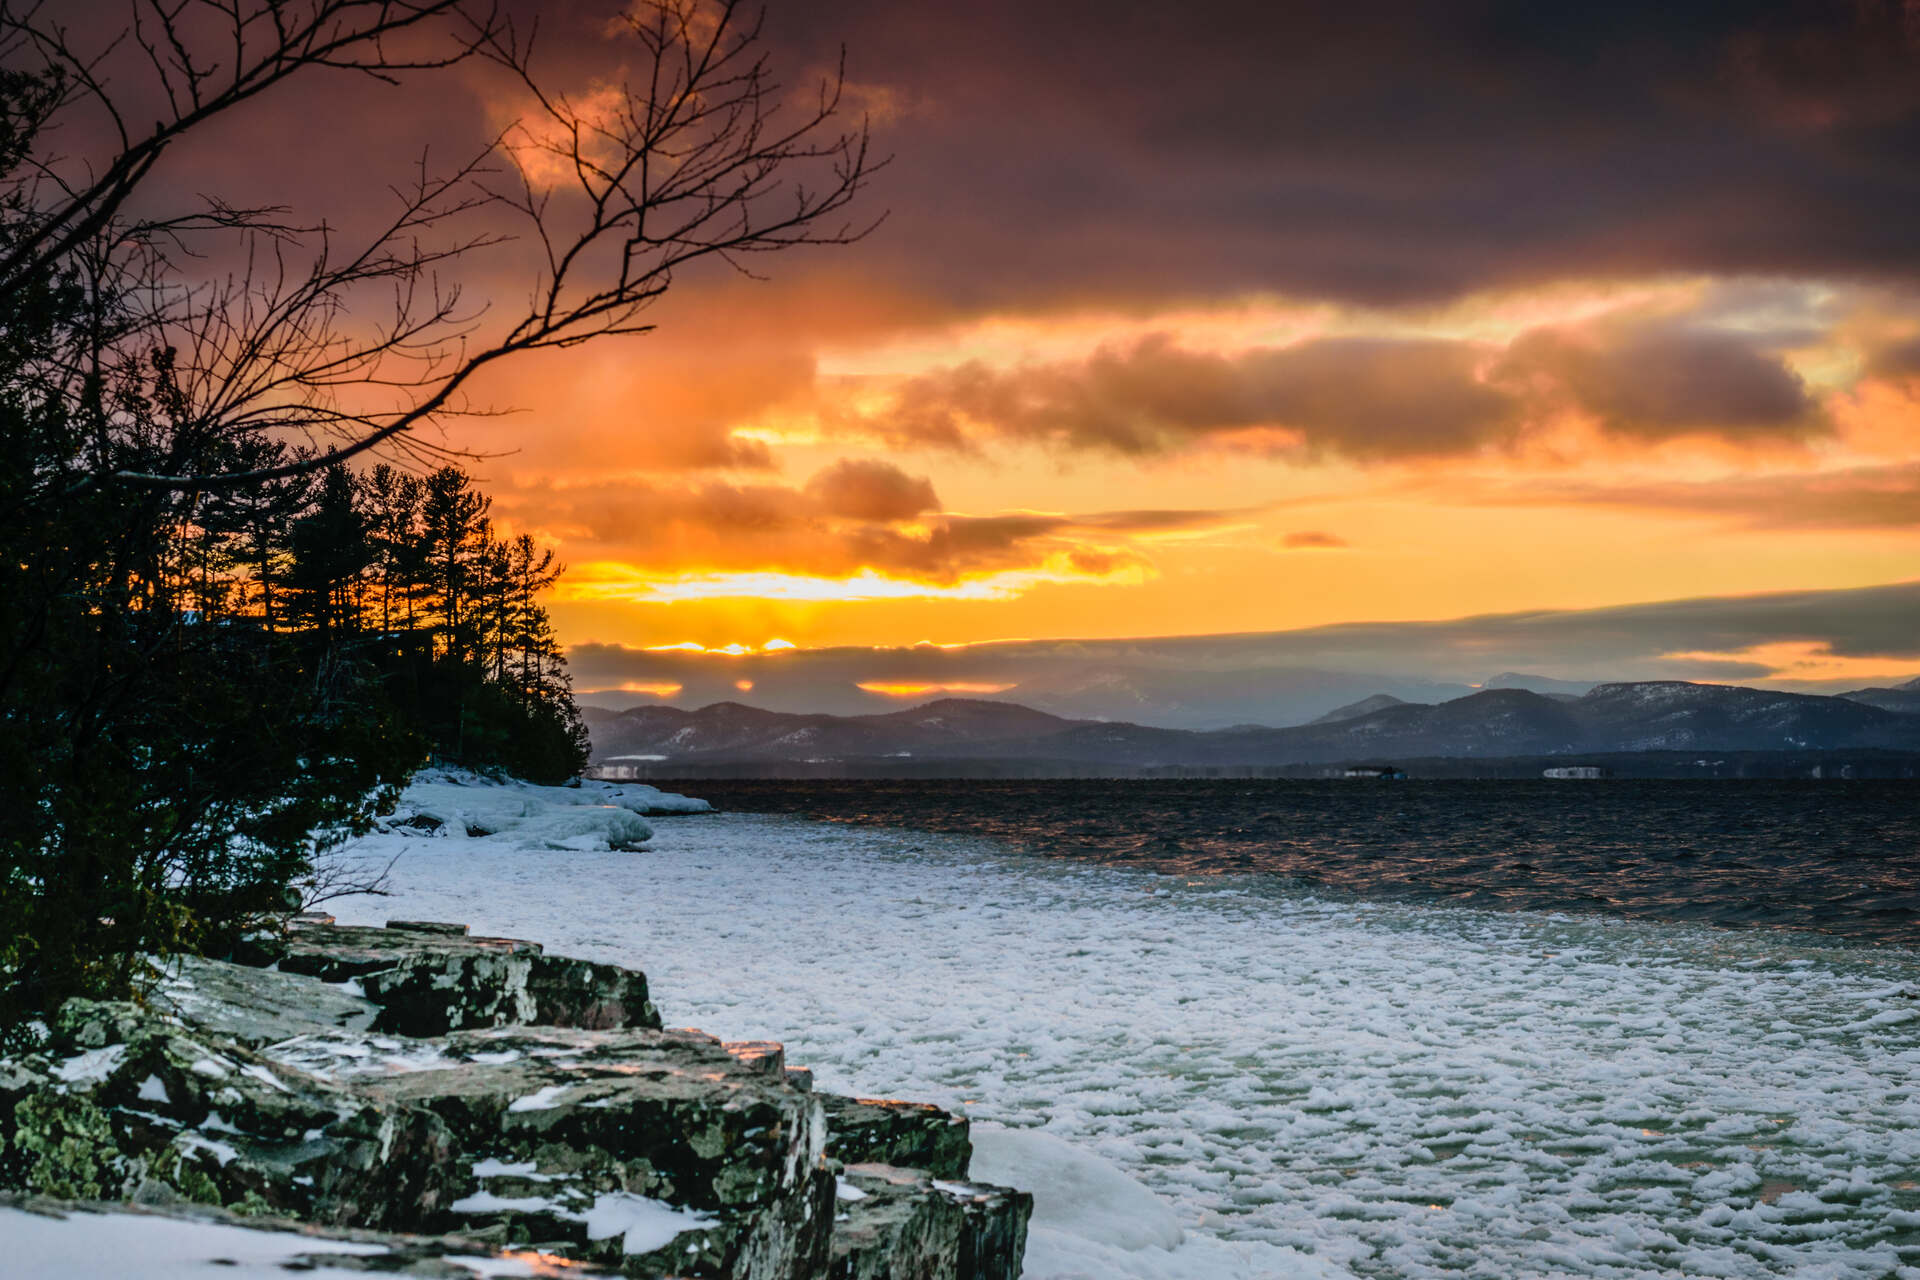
<point x="896" y="690"/>
<point x="1800" y="660"/>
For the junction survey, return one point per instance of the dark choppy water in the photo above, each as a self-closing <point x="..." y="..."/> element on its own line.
<point x="1841" y="858"/>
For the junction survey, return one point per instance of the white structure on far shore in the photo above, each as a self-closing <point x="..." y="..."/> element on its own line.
<point x="1577" y="771"/>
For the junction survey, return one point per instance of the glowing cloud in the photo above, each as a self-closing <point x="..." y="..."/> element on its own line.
<point x="921" y="690"/>
<point x="1802" y="660"/>
<point x="611" y="581"/>
<point x="650" y="688"/>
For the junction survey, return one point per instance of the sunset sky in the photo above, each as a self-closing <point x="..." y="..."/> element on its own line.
<point x="1189" y="319"/>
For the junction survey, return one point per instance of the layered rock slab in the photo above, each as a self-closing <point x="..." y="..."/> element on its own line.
<point x="906" y="1224"/>
<point x="124" y="1104"/>
<point x="910" y="1135"/>
<point x="641" y="1148"/>
<point x="428" y="978"/>
<point x="290" y="1091"/>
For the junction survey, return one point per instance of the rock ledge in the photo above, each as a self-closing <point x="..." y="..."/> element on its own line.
<point x="463" y="1093"/>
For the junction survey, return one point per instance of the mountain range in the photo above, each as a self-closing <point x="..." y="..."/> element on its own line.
<point x="1649" y="716"/>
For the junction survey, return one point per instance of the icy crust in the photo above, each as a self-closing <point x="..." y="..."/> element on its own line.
<point x="87" y="1244"/>
<point x="588" y="817"/>
<point x="1313" y="1086"/>
<point x="641" y="798"/>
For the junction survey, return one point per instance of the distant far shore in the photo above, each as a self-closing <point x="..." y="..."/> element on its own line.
<point x="1855" y="765"/>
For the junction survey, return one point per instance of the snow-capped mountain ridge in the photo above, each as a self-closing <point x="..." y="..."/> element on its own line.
<point x="1614" y="717"/>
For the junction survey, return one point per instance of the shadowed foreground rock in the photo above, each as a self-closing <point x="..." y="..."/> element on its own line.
<point x="905" y="1224"/>
<point x="912" y="1135"/>
<point x="429" y="978"/>
<point x="414" y="1079"/>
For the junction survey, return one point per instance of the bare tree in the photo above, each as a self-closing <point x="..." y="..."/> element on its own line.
<point x="700" y="154"/>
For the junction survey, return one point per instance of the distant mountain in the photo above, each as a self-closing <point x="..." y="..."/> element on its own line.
<point x="1366" y="706"/>
<point x="1650" y="716"/>
<point x="733" y="731"/>
<point x="1540" y="684"/>
<point x="1187" y="683"/>
<point x="1903" y="698"/>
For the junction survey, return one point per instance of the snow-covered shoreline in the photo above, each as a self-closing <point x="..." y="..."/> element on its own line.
<point x="1308" y="1086"/>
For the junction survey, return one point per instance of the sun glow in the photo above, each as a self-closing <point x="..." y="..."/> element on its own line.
<point x="652" y="688"/>
<point x="613" y="581"/>
<point x="734" y="650"/>
<point x="891" y="690"/>
<point x="1807" y="660"/>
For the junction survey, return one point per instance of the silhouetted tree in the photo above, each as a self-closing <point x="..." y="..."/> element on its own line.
<point x="330" y="552"/>
<point x="187" y="703"/>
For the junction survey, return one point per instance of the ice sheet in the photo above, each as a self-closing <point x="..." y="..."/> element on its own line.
<point x="1307" y="1084"/>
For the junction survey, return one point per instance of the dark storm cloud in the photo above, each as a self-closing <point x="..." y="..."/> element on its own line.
<point x="1380" y="150"/>
<point x="1371" y="150"/>
<point x="1386" y="151"/>
<point x="1662" y="380"/>
<point x="1360" y="397"/>
<point x="1367" y="398"/>
<point x="1897" y="361"/>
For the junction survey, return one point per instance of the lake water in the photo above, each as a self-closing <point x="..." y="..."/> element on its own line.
<point x="1838" y="858"/>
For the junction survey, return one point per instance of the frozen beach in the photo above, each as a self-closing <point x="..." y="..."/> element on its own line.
<point x="1219" y="1077"/>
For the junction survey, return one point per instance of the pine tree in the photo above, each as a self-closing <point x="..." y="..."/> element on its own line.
<point x="331" y="552"/>
<point x="453" y="520"/>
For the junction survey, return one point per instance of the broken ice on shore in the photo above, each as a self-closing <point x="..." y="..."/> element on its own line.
<point x="586" y="817"/>
<point x="1233" y="1078"/>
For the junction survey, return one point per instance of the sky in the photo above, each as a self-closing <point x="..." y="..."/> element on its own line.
<point x="1223" y="318"/>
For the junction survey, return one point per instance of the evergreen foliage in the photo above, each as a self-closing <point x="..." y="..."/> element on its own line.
<point x="219" y="649"/>
<point x="202" y="688"/>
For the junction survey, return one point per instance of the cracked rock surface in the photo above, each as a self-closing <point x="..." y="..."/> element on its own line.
<point x="417" y="1080"/>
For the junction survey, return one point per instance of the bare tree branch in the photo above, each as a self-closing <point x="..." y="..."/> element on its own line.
<point x="701" y="154"/>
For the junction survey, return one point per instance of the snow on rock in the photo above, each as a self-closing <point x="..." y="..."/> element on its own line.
<point x="1075" y="1191"/>
<point x="1310" y="1084"/>
<point x="644" y="799"/>
<point x="545" y="1099"/>
<point x="644" y="1225"/>
<point x="112" y="1246"/>
<point x="460" y="804"/>
<point x="92" y="1066"/>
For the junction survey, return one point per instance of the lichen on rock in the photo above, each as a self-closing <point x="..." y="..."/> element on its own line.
<point x="414" y="1079"/>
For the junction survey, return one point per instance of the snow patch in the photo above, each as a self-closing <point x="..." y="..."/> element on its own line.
<point x="646" y="1224"/>
<point x="1074" y="1191"/>
<point x="112" y="1246"/>
<point x="91" y="1067"/>
<point x="487" y="1202"/>
<point x="544" y="1099"/>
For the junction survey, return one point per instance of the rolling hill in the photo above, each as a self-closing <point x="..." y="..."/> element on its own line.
<point x="1648" y="716"/>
